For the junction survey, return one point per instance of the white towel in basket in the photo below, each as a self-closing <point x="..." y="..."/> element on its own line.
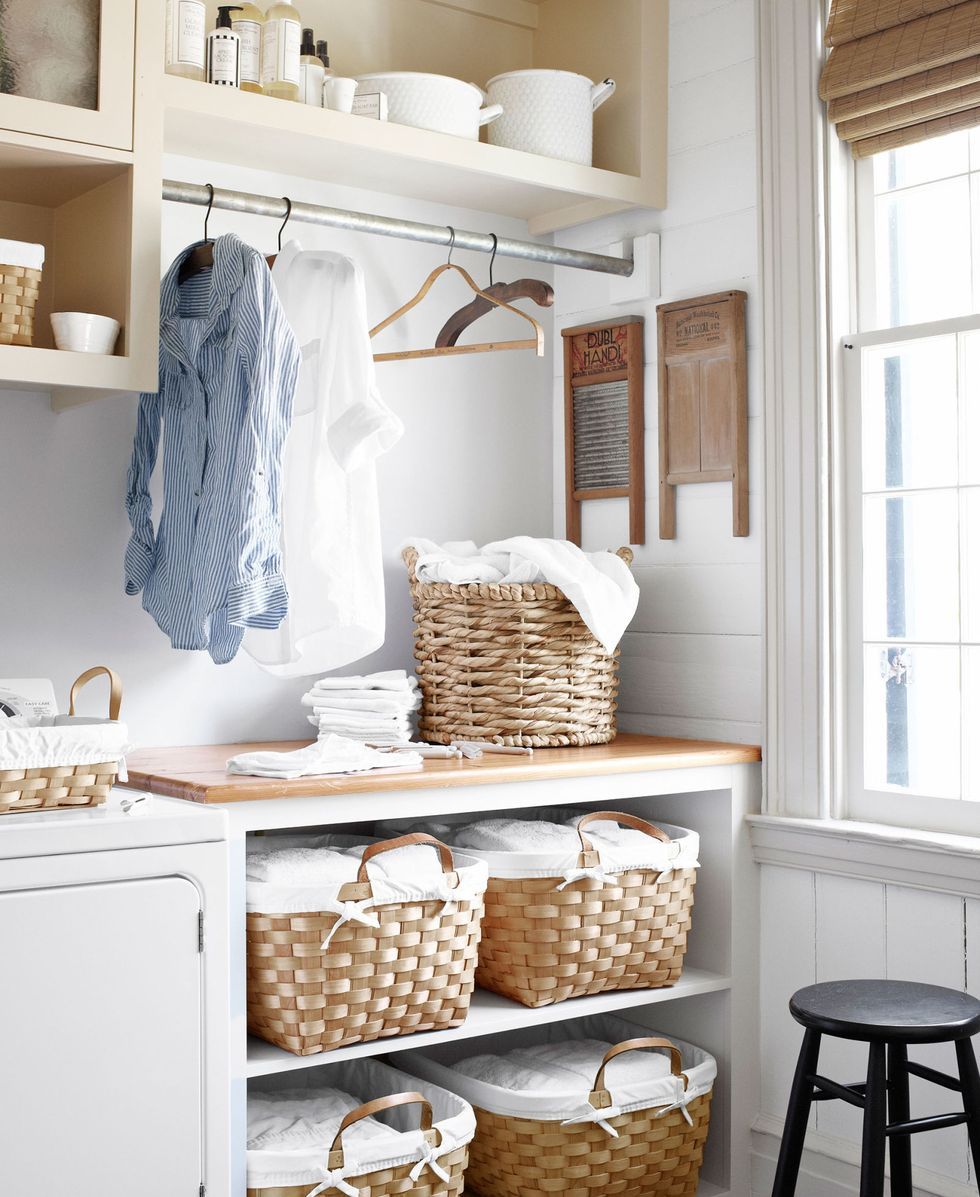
<point x="562" y="1068"/>
<point x="533" y="835"/>
<point x="291" y="1118"/>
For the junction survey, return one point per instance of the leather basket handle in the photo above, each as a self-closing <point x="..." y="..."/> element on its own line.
<point x="613" y="816"/>
<point x="632" y="1045"/>
<point x="115" y="689"/>
<point x="406" y="841"/>
<point x="378" y="1106"/>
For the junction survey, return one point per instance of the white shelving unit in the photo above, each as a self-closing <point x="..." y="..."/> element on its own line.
<point x="705" y="787"/>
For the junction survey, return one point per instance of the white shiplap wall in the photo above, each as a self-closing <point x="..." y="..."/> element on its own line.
<point x="692" y="661"/>
<point x="817" y="927"/>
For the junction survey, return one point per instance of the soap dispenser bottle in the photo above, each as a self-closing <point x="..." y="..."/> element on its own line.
<point x="248" y="25"/>
<point x="310" y="72"/>
<point x="225" y="50"/>
<point x="186" y="23"/>
<point x="280" y="52"/>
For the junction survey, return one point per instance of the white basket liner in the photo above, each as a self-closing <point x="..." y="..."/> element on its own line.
<point x="21" y="253"/>
<point x="364" y="1080"/>
<point x="79" y="741"/>
<point x="411" y="874"/>
<point x="681" y="853"/>
<point x="664" y="1092"/>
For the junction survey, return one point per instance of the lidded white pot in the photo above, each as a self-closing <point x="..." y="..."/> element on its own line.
<point x="435" y="102"/>
<point x="547" y="112"/>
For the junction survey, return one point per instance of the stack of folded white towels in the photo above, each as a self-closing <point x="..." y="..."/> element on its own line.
<point x="375" y="709"/>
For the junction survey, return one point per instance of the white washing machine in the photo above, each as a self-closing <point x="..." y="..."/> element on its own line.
<point x="114" y="1001"/>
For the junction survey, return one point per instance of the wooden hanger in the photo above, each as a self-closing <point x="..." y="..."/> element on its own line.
<point x="536" y="342"/>
<point x="201" y="257"/>
<point x="271" y="259"/>
<point x="522" y="288"/>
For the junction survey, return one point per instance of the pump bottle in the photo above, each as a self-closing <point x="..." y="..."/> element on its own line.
<point x="224" y="50"/>
<point x="310" y="72"/>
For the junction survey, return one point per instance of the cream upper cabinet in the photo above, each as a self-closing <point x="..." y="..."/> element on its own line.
<point x="66" y="69"/>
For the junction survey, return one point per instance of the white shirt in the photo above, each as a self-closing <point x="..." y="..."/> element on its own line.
<point x="331" y="526"/>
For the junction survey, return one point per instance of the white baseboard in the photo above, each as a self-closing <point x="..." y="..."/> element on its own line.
<point x="831" y="1167"/>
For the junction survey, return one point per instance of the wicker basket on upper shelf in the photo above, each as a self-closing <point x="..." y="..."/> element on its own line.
<point x="19" y="289"/>
<point x="510" y="664"/>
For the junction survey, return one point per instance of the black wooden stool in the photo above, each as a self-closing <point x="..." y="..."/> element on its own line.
<point x="888" y="1016"/>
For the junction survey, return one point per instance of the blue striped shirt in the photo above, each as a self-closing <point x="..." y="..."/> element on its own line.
<point x="228" y="370"/>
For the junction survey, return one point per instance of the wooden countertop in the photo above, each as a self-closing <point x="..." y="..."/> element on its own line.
<point x="198" y="773"/>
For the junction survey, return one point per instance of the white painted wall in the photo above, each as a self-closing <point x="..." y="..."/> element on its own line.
<point x="692" y="661"/>
<point x="474" y="462"/>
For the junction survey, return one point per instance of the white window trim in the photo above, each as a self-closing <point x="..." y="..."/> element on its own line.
<point x="805" y="173"/>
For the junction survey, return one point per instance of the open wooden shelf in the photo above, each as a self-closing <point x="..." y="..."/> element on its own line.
<point x="490" y="1014"/>
<point x="240" y="128"/>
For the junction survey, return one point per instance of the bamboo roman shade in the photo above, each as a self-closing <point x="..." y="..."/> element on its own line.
<point x="901" y="71"/>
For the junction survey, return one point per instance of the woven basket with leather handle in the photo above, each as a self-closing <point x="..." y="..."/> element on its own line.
<point x="511" y="664"/>
<point x="390" y="1181"/>
<point x="413" y="973"/>
<point x="56" y="786"/>
<point x="545" y="940"/>
<point x="19" y="289"/>
<point x="650" y="1157"/>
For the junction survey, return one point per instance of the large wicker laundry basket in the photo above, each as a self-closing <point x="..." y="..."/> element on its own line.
<point x="635" y="1140"/>
<point x="317" y="981"/>
<point x="511" y="664"/>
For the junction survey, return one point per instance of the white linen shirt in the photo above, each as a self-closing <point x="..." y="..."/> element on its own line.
<point x="228" y="369"/>
<point x="331" y="550"/>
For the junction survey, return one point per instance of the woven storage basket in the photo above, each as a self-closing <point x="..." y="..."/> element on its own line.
<point x="392" y="1167"/>
<point x="64" y="784"/>
<point x="19" y="289"/>
<point x="650" y="1151"/>
<point x="546" y="939"/>
<point x="513" y="664"/>
<point x="317" y="982"/>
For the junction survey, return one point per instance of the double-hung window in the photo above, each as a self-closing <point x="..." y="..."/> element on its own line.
<point x="910" y="562"/>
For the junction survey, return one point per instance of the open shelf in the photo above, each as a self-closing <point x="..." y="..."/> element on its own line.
<point x="490" y="1014"/>
<point x="77" y="203"/>
<point x="224" y="125"/>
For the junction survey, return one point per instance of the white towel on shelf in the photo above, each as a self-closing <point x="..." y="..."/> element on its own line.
<point x="599" y="585"/>
<point x="392" y="679"/>
<point x="329" y="755"/>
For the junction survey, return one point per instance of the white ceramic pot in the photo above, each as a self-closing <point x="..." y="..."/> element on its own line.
<point x="84" y="332"/>
<point x="434" y="102"/>
<point x="547" y="112"/>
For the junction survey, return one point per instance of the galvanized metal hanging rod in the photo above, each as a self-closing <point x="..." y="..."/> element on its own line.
<point x="386" y="226"/>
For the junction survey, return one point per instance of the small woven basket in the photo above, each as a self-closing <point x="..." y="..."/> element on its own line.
<point x="57" y="786"/>
<point x="510" y="664"/>
<point x="19" y="288"/>
<point x="650" y="1157"/>
<point x="545" y="940"/>
<point x="388" y="1182"/>
<point x="414" y="973"/>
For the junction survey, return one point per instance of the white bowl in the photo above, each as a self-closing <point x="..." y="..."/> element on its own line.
<point x="84" y="332"/>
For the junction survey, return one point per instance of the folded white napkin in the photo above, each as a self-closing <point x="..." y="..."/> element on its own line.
<point x="599" y="585"/>
<point x="329" y="754"/>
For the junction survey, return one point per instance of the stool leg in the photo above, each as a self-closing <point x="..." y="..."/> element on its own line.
<point x="970" y="1080"/>
<point x="900" y="1146"/>
<point x="797" y="1115"/>
<point x="875" y="1118"/>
